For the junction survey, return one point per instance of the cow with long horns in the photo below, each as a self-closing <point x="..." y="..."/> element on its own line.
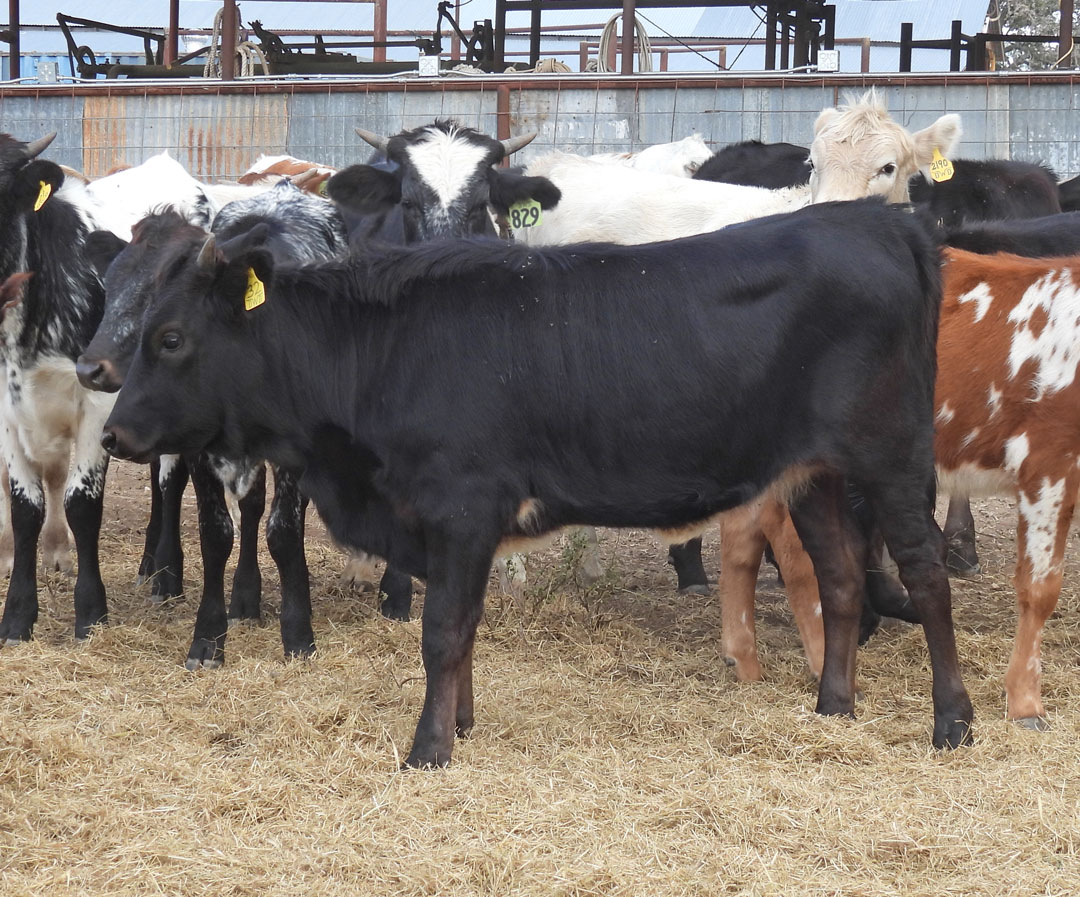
<point x="444" y="184"/>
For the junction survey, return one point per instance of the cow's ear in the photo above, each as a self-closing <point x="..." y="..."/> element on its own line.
<point x="35" y="184"/>
<point x="246" y="282"/>
<point x="824" y="118"/>
<point x="250" y="240"/>
<point x="943" y="136"/>
<point x="506" y="188"/>
<point x="101" y="247"/>
<point x="365" y="190"/>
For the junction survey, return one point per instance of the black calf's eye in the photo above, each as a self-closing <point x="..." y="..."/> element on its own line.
<point x="171" y="341"/>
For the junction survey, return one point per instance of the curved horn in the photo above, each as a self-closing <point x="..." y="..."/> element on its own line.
<point x="38" y="146"/>
<point x="207" y="259"/>
<point x="380" y="143"/>
<point x="513" y="144"/>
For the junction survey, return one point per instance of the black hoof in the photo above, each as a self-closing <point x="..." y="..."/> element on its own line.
<point x="953" y="734"/>
<point x="12" y="634"/>
<point x="1034" y="723"/>
<point x="695" y="589"/>
<point x="300" y="652"/>
<point x="396" y="609"/>
<point x="83" y="631"/>
<point x="962" y="559"/>
<point x="165" y="586"/>
<point x="421" y="761"/>
<point x="205" y="654"/>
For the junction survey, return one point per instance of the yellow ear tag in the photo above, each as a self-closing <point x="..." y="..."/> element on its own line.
<point x="941" y="169"/>
<point x="44" y="193"/>
<point x="525" y="213"/>
<point x="255" y="294"/>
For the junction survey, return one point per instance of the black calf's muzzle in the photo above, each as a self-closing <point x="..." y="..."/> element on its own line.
<point x="97" y="375"/>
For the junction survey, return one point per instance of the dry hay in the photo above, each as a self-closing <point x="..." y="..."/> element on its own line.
<point x="614" y="753"/>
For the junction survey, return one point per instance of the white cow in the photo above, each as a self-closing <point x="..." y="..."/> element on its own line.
<point x="680" y="158"/>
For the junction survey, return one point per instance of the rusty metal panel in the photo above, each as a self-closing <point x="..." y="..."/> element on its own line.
<point x="214" y="137"/>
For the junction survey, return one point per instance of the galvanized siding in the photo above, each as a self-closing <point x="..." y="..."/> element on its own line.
<point x="217" y="133"/>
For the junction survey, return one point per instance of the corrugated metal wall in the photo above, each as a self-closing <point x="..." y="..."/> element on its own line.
<point x="217" y="132"/>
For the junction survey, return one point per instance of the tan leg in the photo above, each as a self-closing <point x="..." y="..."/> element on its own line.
<point x="741" y="546"/>
<point x="7" y="538"/>
<point x="55" y="537"/>
<point x="592" y="570"/>
<point x="799" y="580"/>
<point x="359" y="571"/>
<point x="1046" y="509"/>
<point x="513" y="577"/>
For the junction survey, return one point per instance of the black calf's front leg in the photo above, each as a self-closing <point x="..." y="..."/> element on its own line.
<point x="153" y="527"/>
<point x="247" y="580"/>
<point x="27" y="517"/>
<point x="168" y="569"/>
<point x="398" y="588"/>
<point x="285" y="539"/>
<point x="457" y="577"/>
<point x="216" y="541"/>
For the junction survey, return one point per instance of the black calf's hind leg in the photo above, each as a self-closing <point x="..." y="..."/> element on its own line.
<point x="285" y="539"/>
<point x="168" y="555"/>
<point x="458" y="573"/>
<point x="916" y="544"/>
<point x="247" y="580"/>
<point x="962" y="558"/>
<point x="398" y="589"/>
<point x="685" y="557"/>
<point x="216" y="541"/>
<point x="27" y="517"/>
<point x="830" y="535"/>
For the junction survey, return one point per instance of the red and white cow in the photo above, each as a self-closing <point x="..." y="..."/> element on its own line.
<point x="1007" y="401"/>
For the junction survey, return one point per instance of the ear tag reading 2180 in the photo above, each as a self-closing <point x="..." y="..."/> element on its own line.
<point x="525" y="213"/>
<point x="941" y="169"/>
<point x="255" y="294"/>
<point x="44" y="192"/>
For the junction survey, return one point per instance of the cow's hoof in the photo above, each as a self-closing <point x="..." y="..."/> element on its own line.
<point x="1035" y="723"/>
<point x="396" y="609"/>
<point x="962" y="560"/>
<point x="205" y="654"/>
<point x="696" y="589"/>
<point x="729" y="661"/>
<point x="956" y="733"/>
<point x="302" y="651"/>
<point x="61" y="563"/>
<point x="12" y="642"/>
<point x="592" y="571"/>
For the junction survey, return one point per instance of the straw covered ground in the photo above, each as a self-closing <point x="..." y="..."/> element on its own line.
<point x="614" y="753"/>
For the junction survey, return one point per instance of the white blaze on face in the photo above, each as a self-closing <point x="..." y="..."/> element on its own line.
<point x="446" y="164"/>
<point x="1055" y="348"/>
<point x="1041" y="517"/>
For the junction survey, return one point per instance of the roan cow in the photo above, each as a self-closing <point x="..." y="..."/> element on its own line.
<point x="646" y="386"/>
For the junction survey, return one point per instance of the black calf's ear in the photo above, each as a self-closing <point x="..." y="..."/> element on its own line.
<point x="247" y="281"/>
<point x="365" y="190"/>
<point x="35" y="184"/>
<point x="246" y="242"/>
<point x="507" y="188"/>
<point x="101" y="247"/>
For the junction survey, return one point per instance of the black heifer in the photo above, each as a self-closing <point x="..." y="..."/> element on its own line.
<point x="756" y="164"/>
<point x="1069" y="194"/>
<point x="1052" y="235"/>
<point x="444" y="399"/>
<point x="987" y="190"/>
<point x="443" y="185"/>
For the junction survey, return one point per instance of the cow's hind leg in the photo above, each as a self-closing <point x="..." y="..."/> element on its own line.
<point x="83" y="503"/>
<point x="1046" y="508"/>
<point x="216" y="541"/>
<point x="830" y="535"/>
<point x="458" y="572"/>
<point x="905" y="514"/>
<point x="55" y="538"/>
<point x="247" y="580"/>
<point x="168" y="562"/>
<point x="962" y="557"/>
<point x="397" y="588"/>
<point x="685" y="557"/>
<point x="285" y="539"/>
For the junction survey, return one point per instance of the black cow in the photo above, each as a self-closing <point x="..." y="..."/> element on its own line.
<point x="1069" y="194"/>
<point x="1047" y="237"/>
<point x="756" y="164"/>
<point x="987" y="190"/>
<point x="442" y="399"/>
<point x="443" y="185"/>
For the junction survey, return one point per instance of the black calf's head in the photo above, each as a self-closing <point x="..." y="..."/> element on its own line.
<point x="26" y="184"/>
<point x="195" y="366"/>
<point x="444" y="181"/>
<point x="128" y="273"/>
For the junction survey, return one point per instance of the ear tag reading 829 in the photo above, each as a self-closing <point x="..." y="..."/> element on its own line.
<point x="941" y="169"/>
<point x="525" y="213"/>
<point x="44" y="192"/>
<point x="255" y="294"/>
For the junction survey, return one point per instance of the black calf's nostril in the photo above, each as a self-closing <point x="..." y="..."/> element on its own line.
<point x="89" y="372"/>
<point x="108" y="440"/>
